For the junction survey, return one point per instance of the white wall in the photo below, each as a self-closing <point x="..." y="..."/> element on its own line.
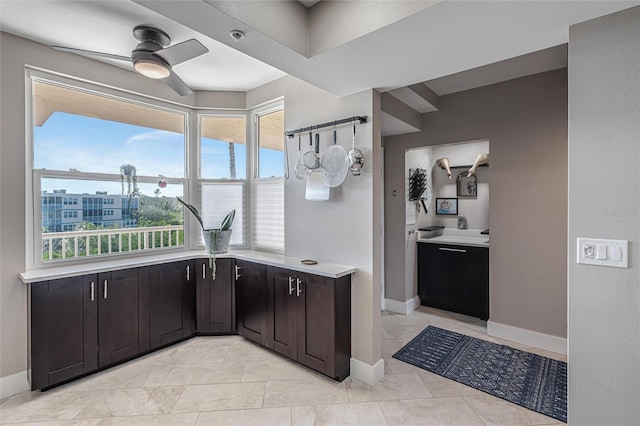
<point x="476" y="210"/>
<point x="338" y="230"/>
<point x="604" y="201"/>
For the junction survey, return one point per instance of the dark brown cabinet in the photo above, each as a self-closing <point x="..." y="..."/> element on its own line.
<point x="454" y="278"/>
<point x="251" y="294"/>
<point x="215" y="298"/>
<point x="122" y="330"/>
<point x="172" y="302"/>
<point x="84" y="323"/>
<point x="64" y="333"/>
<point x="81" y="324"/>
<point x="282" y="318"/>
<point x="309" y="320"/>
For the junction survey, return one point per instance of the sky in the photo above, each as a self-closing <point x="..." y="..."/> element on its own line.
<point x="68" y="141"/>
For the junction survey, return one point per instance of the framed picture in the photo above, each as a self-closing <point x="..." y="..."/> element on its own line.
<point x="467" y="187"/>
<point x="447" y="206"/>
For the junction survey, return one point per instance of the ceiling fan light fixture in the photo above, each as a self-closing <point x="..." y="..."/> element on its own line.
<point x="152" y="69"/>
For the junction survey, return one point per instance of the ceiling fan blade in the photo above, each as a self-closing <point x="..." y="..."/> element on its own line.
<point x="181" y="52"/>
<point x="92" y="53"/>
<point x="176" y="83"/>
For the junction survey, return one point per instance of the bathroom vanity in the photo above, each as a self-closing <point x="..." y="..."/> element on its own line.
<point x="453" y="271"/>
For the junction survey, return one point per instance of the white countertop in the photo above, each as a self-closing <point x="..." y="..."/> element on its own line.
<point x="325" y="269"/>
<point x="457" y="237"/>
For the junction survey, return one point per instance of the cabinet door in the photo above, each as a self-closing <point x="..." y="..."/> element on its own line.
<point x="251" y="291"/>
<point x="471" y="282"/>
<point x="434" y="275"/>
<point x="324" y="324"/>
<point x="119" y="316"/>
<point x="282" y="312"/>
<point x="215" y="310"/>
<point x="316" y="316"/>
<point x="171" y="294"/>
<point x="64" y="334"/>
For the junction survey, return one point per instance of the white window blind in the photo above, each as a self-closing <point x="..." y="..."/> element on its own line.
<point x="268" y="214"/>
<point x="219" y="198"/>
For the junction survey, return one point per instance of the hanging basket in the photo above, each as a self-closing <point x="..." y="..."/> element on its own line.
<point x="220" y="240"/>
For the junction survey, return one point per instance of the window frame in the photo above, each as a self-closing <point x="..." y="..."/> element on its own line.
<point x="256" y="113"/>
<point x="34" y="176"/>
<point x="199" y="180"/>
<point x="192" y="168"/>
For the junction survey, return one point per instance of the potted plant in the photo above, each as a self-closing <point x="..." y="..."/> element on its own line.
<point x="216" y="241"/>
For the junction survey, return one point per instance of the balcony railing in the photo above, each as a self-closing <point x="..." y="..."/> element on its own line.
<point x="64" y="245"/>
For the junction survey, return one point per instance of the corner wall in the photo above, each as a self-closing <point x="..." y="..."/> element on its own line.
<point x="16" y="53"/>
<point x="604" y="201"/>
<point x="525" y="122"/>
<point x="339" y="230"/>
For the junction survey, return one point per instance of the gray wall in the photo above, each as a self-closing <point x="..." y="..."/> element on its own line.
<point x="525" y="121"/>
<point x="604" y="200"/>
<point x="16" y="53"/>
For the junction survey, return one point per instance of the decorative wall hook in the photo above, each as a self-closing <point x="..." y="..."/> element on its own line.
<point x="443" y="163"/>
<point x="482" y="159"/>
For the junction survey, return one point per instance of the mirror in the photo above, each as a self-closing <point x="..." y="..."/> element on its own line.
<point x="467" y="186"/>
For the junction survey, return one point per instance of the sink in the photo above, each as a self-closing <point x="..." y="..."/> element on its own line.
<point x="466" y="237"/>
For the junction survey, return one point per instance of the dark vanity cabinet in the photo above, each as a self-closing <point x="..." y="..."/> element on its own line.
<point x="215" y="298"/>
<point x="83" y="323"/>
<point x="309" y="320"/>
<point x="251" y="295"/>
<point x="454" y="278"/>
<point x="172" y="302"/>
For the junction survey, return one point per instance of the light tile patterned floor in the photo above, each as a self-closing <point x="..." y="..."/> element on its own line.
<point x="227" y="380"/>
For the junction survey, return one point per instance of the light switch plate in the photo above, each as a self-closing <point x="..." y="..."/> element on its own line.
<point x="614" y="253"/>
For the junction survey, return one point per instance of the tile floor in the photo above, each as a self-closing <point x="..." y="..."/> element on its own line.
<point x="227" y="380"/>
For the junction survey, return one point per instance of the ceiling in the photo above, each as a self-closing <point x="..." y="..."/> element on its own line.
<point x="341" y="47"/>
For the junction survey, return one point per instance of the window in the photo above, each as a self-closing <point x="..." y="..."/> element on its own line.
<point x="92" y="150"/>
<point x="268" y="185"/>
<point x="223" y="172"/>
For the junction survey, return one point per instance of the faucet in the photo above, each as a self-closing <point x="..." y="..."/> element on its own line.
<point x="462" y="222"/>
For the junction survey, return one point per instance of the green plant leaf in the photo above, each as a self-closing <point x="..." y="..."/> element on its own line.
<point x="228" y="220"/>
<point x="192" y="210"/>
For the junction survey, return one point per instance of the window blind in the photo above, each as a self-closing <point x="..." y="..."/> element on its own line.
<point x="268" y="214"/>
<point x="217" y="200"/>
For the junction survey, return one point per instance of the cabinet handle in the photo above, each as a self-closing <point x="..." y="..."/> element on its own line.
<point x="450" y="249"/>
<point x="298" y="288"/>
<point x="238" y="272"/>
<point x="106" y="287"/>
<point x="204" y="271"/>
<point x="187" y="272"/>
<point x="290" y="286"/>
<point x="92" y="286"/>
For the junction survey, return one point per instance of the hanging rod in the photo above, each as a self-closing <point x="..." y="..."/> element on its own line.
<point x="361" y="119"/>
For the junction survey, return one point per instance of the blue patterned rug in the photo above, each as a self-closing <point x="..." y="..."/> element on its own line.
<point x="531" y="381"/>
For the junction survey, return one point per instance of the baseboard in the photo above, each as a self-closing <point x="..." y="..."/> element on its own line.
<point x="527" y="337"/>
<point x="369" y="374"/>
<point x="403" y="308"/>
<point x="13" y="384"/>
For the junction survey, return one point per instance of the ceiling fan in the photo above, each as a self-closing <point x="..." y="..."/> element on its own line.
<point x="152" y="58"/>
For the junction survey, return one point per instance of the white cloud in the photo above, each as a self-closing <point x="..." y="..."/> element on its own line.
<point x="153" y="135"/>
